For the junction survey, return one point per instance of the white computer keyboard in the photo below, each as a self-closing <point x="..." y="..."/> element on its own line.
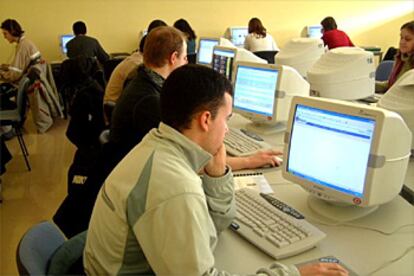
<point x="273" y="226"/>
<point x="240" y="142"/>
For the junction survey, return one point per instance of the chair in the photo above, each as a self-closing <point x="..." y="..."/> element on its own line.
<point x="37" y="247"/>
<point x="44" y="250"/>
<point x="16" y="117"/>
<point x="384" y="70"/>
<point x="391" y="52"/>
<point x="109" y="66"/>
<point x="267" y="55"/>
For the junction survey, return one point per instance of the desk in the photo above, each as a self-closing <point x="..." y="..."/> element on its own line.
<point x="362" y="250"/>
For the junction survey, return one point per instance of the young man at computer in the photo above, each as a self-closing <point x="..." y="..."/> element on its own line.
<point x="155" y="213"/>
<point x="137" y="110"/>
<point x="83" y="45"/>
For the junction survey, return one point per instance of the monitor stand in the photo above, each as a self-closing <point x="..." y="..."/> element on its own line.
<point x="266" y="129"/>
<point x="336" y="211"/>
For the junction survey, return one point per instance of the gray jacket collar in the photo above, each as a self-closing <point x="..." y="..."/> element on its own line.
<point x="196" y="156"/>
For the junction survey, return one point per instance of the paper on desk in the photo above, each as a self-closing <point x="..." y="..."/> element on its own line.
<point x="252" y="181"/>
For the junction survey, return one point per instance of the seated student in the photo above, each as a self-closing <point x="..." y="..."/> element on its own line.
<point x="185" y="27"/>
<point x="404" y="59"/>
<point x="155" y="213"/>
<point x="83" y="45"/>
<point x="332" y="37"/>
<point x="125" y="70"/>
<point x="137" y="110"/>
<point x="26" y="52"/>
<point x="154" y="24"/>
<point x="10" y="74"/>
<point x="258" y="39"/>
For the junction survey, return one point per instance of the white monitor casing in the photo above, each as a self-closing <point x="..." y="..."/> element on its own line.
<point x="300" y="53"/>
<point x="346" y="73"/>
<point x="400" y="98"/>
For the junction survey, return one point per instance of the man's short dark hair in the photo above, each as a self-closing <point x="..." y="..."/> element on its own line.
<point x="13" y="27"/>
<point x="191" y="89"/>
<point x="79" y="27"/>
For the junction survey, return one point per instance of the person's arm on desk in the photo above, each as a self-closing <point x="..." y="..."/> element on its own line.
<point x="257" y="160"/>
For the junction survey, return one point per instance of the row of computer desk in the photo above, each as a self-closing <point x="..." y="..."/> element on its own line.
<point x="362" y="250"/>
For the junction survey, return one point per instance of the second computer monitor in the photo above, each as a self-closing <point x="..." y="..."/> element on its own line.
<point x="223" y="60"/>
<point x="262" y="94"/>
<point x="314" y="31"/>
<point x="238" y="35"/>
<point x="205" y="50"/>
<point x="64" y="39"/>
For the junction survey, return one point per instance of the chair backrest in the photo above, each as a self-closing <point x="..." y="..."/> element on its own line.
<point x="391" y="52"/>
<point x="37" y="247"/>
<point x="384" y="70"/>
<point x="21" y="97"/>
<point x="267" y="55"/>
<point x="109" y="66"/>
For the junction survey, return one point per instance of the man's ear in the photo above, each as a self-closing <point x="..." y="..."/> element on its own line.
<point x="173" y="58"/>
<point x="204" y="120"/>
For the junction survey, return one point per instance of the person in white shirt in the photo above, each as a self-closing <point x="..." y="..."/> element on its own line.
<point x="258" y="39"/>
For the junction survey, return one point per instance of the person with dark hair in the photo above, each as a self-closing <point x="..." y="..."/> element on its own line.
<point x="404" y="59"/>
<point x="26" y="53"/>
<point x="154" y="24"/>
<point x="332" y="37"/>
<point x="162" y="208"/>
<point x="83" y="45"/>
<point x="185" y="27"/>
<point x="258" y="39"/>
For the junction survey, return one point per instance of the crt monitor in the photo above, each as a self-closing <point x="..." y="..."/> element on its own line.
<point x="238" y="35"/>
<point x="400" y="98"/>
<point x="205" y="50"/>
<point x="342" y="153"/>
<point x="262" y="94"/>
<point x="301" y="53"/>
<point x="314" y="31"/>
<point x="63" y="40"/>
<point x="346" y="73"/>
<point x="224" y="60"/>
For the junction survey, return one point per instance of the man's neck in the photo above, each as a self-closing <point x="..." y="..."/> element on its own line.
<point x="162" y="71"/>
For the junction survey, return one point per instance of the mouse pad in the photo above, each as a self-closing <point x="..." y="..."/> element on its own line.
<point x="329" y="259"/>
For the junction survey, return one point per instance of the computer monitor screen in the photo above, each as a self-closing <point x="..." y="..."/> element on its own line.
<point x="205" y="50"/>
<point x="314" y="31"/>
<point x="336" y="151"/>
<point x="223" y="60"/>
<point x="63" y="40"/>
<point x="348" y="138"/>
<point x="255" y="89"/>
<point x="262" y="94"/>
<point x="238" y="35"/>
